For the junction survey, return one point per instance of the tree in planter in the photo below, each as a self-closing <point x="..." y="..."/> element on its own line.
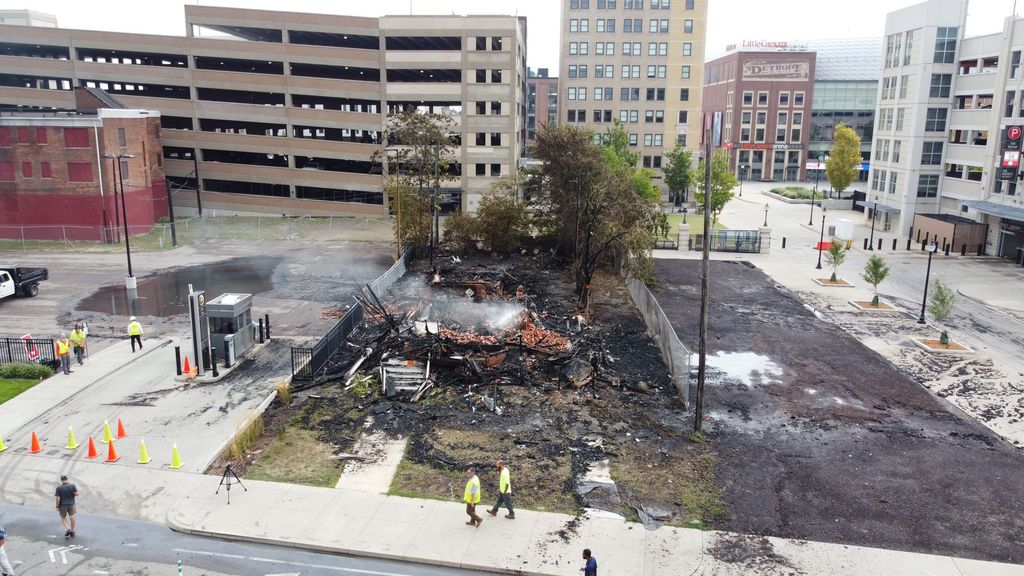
<point x="941" y="306"/>
<point x="875" y="272"/>
<point x="835" y="257"/>
<point x="722" y="183"/>
<point x="844" y="159"/>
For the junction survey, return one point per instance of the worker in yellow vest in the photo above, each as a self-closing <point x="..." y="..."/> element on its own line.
<point x="77" y="338"/>
<point x="135" y="332"/>
<point x="504" y="492"/>
<point x="472" y="498"/>
<point x="64" y="352"/>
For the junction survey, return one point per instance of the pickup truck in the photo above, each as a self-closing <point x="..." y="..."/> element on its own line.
<point x="21" y="280"/>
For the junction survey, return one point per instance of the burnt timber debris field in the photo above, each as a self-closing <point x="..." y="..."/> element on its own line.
<point x="817" y="438"/>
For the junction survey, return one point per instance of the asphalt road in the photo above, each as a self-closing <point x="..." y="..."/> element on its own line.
<point x="36" y="547"/>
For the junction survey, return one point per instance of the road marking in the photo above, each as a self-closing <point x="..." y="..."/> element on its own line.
<point x="130" y="544"/>
<point x="99" y="572"/>
<point x="63" y="550"/>
<point x="288" y="574"/>
<point x="298" y="564"/>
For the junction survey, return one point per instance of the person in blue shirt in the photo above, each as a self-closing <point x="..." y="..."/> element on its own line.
<point x="590" y="568"/>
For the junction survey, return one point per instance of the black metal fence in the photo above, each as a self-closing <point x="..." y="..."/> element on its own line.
<point x="307" y="363"/>
<point x="28" y="350"/>
<point x="748" y="241"/>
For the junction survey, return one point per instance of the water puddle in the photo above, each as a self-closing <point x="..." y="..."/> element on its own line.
<point x="747" y="367"/>
<point x="165" y="294"/>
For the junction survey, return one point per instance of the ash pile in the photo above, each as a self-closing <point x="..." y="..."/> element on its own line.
<point x="476" y="327"/>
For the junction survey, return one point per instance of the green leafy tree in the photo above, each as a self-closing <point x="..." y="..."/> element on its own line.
<point x="595" y="202"/>
<point x="940" y="305"/>
<point x="844" y="159"/>
<point x="503" y="220"/>
<point x="678" y="169"/>
<point x="875" y="272"/>
<point x="722" y="183"/>
<point x="418" y="155"/>
<point x="834" y="257"/>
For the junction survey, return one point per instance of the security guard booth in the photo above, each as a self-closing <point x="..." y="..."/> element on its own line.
<point x="231" y="323"/>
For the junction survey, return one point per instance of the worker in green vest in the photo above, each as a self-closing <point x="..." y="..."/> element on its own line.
<point x="472" y="498"/>
<point x="504" y="492"/>
<point x="135" y="332"/>
<point x="77" y="338"/>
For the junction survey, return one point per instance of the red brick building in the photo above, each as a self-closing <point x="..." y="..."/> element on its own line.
<point x="764" y="99"/>
<point x="56" y="182"/>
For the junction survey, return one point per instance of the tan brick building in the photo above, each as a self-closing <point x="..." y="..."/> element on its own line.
<point x="639" y="62"/>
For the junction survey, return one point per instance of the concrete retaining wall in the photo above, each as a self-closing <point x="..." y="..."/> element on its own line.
<point x="676" y="356"/>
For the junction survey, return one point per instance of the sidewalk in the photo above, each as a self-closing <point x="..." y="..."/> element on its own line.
<point x="535" y="543"/>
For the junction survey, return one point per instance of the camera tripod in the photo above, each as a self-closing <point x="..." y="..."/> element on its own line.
<point x="225" y="480"/>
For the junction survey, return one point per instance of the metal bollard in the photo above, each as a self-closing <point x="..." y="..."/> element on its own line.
<point x="894" y="244"/>
<point x="213" y="362"/>
<point x="177" y="359"/>
<point x="909" y="242"/>
<point x="981" y="249"/>
<point x="261" y="331"/>
<point x="267" y="317"/>
<point x="947" y="250"/>
<point x="923" y="242"/>
<point x="879" y="243"/>
<point x="865" y="243"/>
<point x="963" y="249"/>
<point x="783" y="241"/>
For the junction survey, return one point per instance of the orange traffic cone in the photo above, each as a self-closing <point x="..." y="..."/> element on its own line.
<point x="186" y="369"/>
<point x="120" y="429"/>
<point x="35" y="448"/>
<point x="111" y="453"/>
<point x="92" y="453"/>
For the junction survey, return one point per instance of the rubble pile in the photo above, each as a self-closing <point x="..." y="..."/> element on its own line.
<point x="471" y="326"/>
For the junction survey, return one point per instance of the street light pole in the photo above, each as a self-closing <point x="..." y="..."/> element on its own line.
<point x="924" y="299"/>
<point x="765" y="214"/>
<point x="817" y="174"/>
<point x="821" y="240"/>
<point x="874" y="214"/>
<point x="742" y="167"/>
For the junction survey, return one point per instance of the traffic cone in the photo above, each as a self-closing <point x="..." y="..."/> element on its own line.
<point x="107" y="436"/>
<point x="2" y="447"/>
<point x="186" y="369"/>
<point x="143" y="453"/>
<point x="112" y="453"/>
<point x="72" y="443"/>
<point x="92" y="453"/>
<point x="35" y="448"/>
<point x="175" y="457"/>
<point x="120" y="429"/>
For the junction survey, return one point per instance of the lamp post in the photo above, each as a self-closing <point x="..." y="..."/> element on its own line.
<point x="817" y="174"/>
<point x="874" y="214"/>
<point x="765" y="214"/>
<point x="821" y="239"/>
<point x="116" y="162"/>
<point x="924" y="299"/>
<point x="743" y="170"/>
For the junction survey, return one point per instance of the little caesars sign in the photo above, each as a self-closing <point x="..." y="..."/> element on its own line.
<point x="769" y="70"/>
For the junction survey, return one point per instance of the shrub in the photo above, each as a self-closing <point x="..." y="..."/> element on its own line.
<point x="23" y="371"/>
<point x="794" y="192"/>
<point x="284" y="392"/>
<point x="460" y="231"/>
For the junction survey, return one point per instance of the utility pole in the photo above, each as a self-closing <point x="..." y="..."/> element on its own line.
<point x="702" y="352"/>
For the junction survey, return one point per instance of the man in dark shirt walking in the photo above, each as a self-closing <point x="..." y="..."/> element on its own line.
<point x="65" y="499"/>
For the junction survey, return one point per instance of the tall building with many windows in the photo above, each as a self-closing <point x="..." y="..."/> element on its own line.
<point x="638" y="62"/>
<point x="542" y="102"/>
<point x="282" y="112"/>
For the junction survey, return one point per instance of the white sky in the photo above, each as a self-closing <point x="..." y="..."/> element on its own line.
<point x="730" y="20"/>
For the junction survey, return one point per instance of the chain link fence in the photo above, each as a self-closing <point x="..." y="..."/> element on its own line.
<point x="185" y="231"/>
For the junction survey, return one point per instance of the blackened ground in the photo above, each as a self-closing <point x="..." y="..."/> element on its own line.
<point x="842" y="447"/>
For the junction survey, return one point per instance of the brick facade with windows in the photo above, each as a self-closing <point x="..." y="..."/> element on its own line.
<point x="55" y="183"/>
<point x="764" y="99"/>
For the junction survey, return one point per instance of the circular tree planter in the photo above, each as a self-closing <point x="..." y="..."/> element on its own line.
<point x="839" y="283"/>
<point x="867" y="306"/>
<point x="933" y="345"/>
